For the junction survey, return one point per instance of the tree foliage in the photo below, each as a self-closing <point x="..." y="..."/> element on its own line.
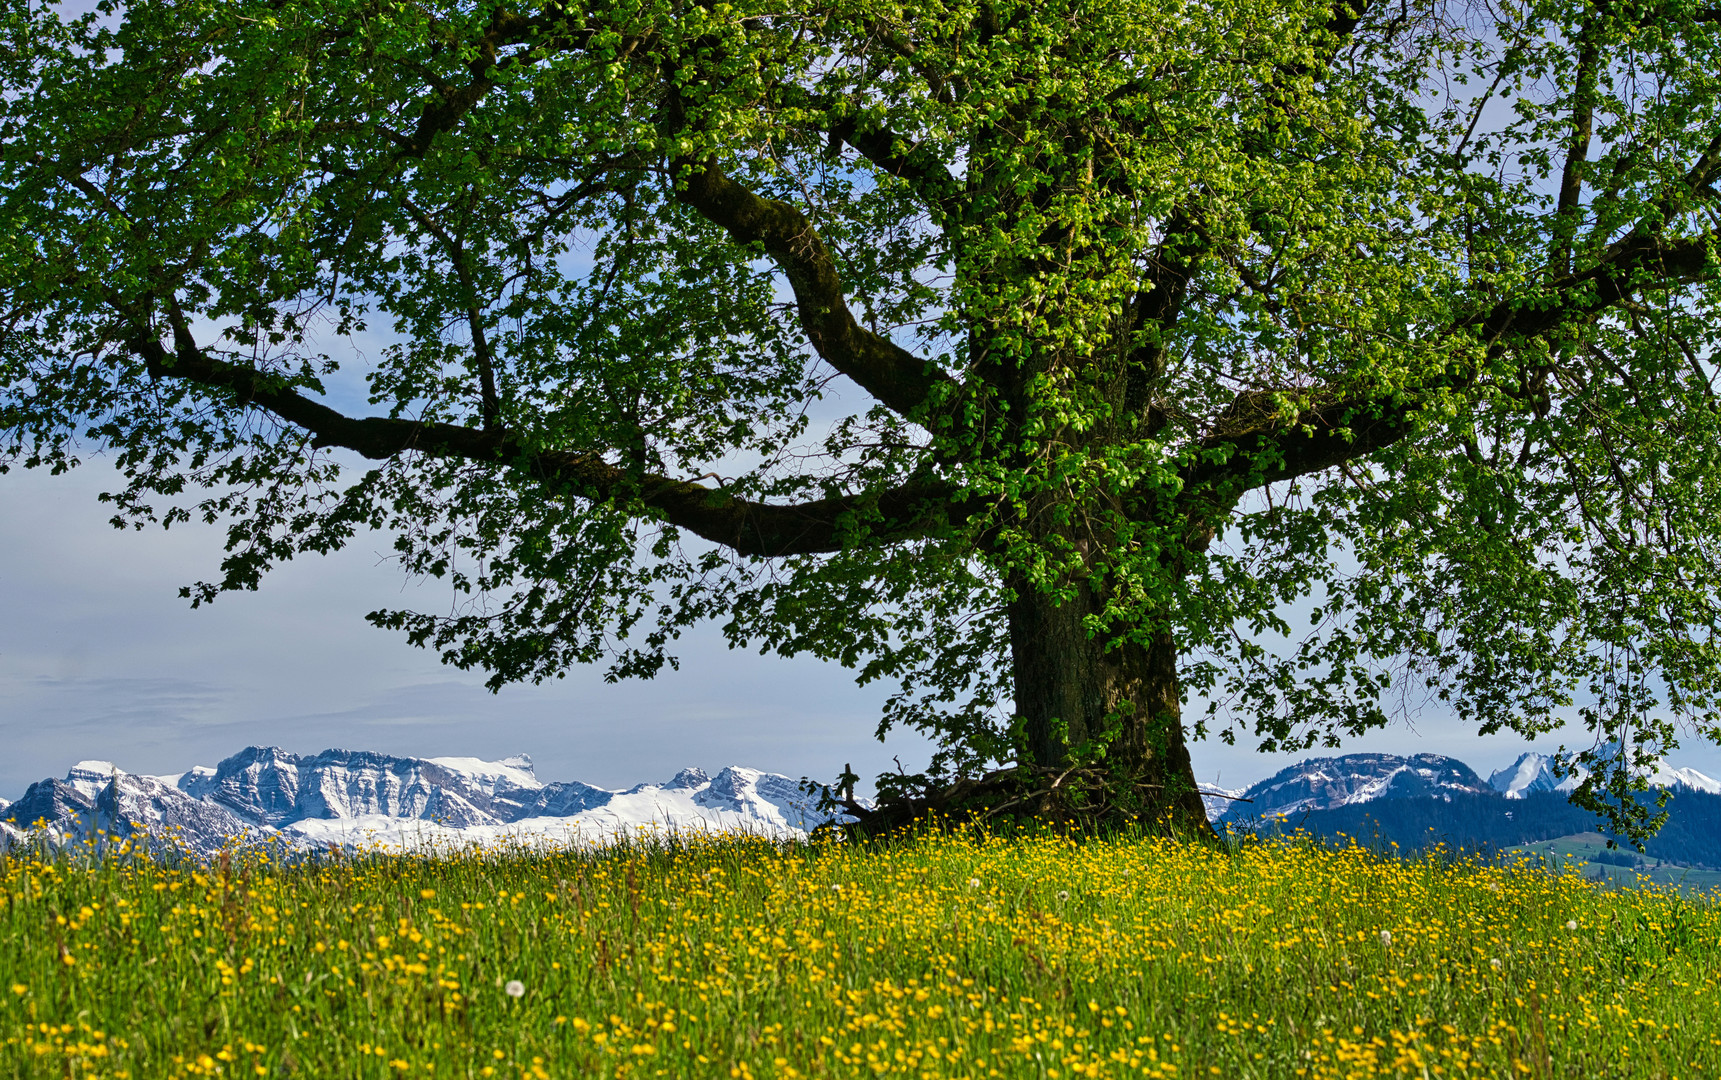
<point x="896" y="335"/>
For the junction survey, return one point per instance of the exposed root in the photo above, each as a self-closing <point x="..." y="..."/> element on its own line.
<point x="1079" y="798"/>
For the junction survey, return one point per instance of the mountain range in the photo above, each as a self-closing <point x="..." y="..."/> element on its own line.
<point x="354" y="798"/>
<point x="1417" y="802"/>
<point x="1319" y="784"/>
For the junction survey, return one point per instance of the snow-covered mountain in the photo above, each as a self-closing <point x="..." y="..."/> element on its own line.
<point x="1329" y="783"/>
<point x="1218" y="800"/>
<point x="354" y="798"/>
<point x="1324" y="783"/>
<point x="1534" y="772"/>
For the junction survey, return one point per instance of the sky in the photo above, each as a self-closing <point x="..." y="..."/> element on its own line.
<point x="100" y="658"/>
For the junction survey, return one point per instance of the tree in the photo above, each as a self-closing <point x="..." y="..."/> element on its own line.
<point x="1173" y="321"/>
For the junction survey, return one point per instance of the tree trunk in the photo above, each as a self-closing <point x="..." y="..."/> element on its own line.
<point x="1070" y="689"/>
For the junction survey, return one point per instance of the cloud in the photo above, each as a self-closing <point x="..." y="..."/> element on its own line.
<point x="98" y="703"/>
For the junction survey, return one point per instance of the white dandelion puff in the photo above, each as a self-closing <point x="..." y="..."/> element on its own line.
<point x="1063" y="895"/>
<point x="515" y="988"/>
<point x="1571" y="924"/>
<point x="1386" y="937"/>
<point x="973" y="883"/>
<point x="1494" y="963"/>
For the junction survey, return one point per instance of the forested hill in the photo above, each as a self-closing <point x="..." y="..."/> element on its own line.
<point x="1488" y="823"/>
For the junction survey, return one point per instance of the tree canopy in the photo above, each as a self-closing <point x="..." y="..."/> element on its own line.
<point x="1045" y="359"/>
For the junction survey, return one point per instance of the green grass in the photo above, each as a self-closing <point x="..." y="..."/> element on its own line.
<point x="1576" y="854"/>
<point x="945" y="956"/>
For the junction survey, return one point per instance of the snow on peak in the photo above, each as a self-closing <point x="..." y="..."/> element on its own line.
<point x="1353" y="779"/>
<point x="1534" y="772"/>
<point x="510" y="772"/>
<point x="92" y="777"/>
<point x="1665" y="775"/>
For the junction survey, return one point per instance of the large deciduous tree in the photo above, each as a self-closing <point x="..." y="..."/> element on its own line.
<point x="1045" y="357"/>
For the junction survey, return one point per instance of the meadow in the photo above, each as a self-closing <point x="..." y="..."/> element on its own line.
<point x="946" y="955"/>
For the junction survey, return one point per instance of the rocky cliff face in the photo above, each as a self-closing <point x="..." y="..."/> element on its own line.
<point x="145" y="809"/>
<point x="268" y="786"/>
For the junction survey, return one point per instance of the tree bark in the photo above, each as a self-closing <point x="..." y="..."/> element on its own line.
<point x="1071" y="688"/>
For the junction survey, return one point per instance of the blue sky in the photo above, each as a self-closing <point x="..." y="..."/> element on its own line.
<point x="99" y="658"/>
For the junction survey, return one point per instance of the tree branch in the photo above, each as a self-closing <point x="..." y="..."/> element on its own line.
<point x="491" y="406"/>
<point x="910" y="510"/>
<point x="883" y="368"/>
<point x="1570" y="207"/>
<point x="1265" y="447"/>
<point x="1627" y="265"/>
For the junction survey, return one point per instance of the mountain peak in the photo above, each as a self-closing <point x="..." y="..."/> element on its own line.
<point x="690" y="777"/>
<point x="1326" y="782"/>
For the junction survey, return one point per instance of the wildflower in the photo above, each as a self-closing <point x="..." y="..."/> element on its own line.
<point x="428" y="894"/>
<point x="836" y="888"/>
<point x="973" y="883"/>
<point x="20" y="989"/>
<point x="1063" y="894"/>
<point x="1386" y="937"/>
<point x="1494" y="963"/>
<point x="1571" y="924"/>
<point x="515" y="988"/>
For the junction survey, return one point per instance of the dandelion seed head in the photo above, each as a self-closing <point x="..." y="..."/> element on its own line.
<point x="515" y="988"/>
<point x="1494" y="963"/>
<point x="973" y="883"/>
<point x="1386" y="937"/>
<point x="1571" y="924"/>
<point x="1063" y="894"/>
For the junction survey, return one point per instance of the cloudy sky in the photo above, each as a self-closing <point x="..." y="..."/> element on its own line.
<point x="99" y="658"/>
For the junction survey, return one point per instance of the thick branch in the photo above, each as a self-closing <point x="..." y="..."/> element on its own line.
<point x="913" y="163"/>
<point x="910" y="510"/>
<point x="1628" y="265"/>
<point x="1570" y="206"/>
<point x="1252" y="444"/>
<point x="884" y="369"/>
<point x="898" y="378"/>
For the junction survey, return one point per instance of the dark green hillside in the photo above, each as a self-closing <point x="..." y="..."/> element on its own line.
<point x="1491" y="823"/>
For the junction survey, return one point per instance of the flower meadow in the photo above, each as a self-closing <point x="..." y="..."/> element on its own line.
<point x="948" y="954"/>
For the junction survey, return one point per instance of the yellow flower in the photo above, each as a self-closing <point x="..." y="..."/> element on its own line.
<point x="20" y="989"/>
